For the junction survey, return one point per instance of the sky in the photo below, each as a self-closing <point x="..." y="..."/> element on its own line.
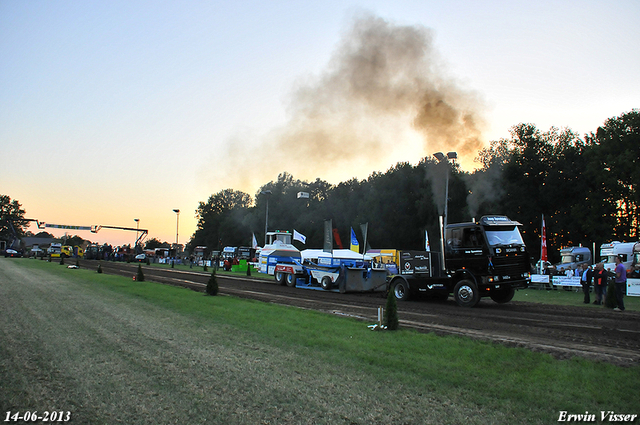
<point x="120" y="110"/>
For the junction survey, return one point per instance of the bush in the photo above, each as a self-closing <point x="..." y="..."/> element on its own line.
<point x="140" y="275"/>
<point x="248" y="269"/>
<point x="206" y="269"/>
<point x="391" y="312"/>
<point x="212" y="285"/>
<point x="99" y="267"/>
<point x="61" y="260"/>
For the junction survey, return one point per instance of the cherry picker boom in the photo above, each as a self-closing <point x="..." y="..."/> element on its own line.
<point x="92" y="229"/>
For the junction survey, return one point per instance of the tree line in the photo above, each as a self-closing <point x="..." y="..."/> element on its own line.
<point x="587" y="189"/>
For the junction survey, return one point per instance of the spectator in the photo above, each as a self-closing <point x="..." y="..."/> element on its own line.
<point x="585" y="280"/>
<point x="620" y="283"/>
<point x="600" y="284"/>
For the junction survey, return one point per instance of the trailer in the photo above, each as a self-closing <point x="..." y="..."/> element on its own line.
<point x="480" y="259"/>
<point x="338" y="270"/>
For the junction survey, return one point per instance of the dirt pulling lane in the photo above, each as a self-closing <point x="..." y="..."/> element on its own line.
<point x="564" y="331"/>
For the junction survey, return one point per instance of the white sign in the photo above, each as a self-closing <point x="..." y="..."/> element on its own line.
<point x="539" y="278"/>
<point x="566" y="281"/>
<point x="633" y="287"/>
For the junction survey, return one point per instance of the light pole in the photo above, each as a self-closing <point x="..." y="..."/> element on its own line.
<point x="266" y="219"/>
<point x="177" y="211"/>
<point x="137" y="220"/>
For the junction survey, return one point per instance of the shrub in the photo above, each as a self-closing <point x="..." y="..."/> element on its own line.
<point x="99" y="267"/>
<point x="248" y="269"/>
<point x="391" y="312"/>
<point x="212" y="284"/>
<point x="206" y="269"/>
<point x="610" y="300"/>
<point x="61" y="260"/>
<point x="140" y="275"/>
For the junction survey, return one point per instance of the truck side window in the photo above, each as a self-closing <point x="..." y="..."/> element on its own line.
<point x="472" y="238"/>
<point x="455" y="238"/>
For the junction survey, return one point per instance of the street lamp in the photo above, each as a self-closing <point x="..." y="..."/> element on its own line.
<point x="266" y="219"/>
<point x="177" y="211"/>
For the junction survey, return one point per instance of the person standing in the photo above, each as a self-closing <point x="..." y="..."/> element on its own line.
<point x="585" y="280"/>
<point x="620" y="283"/>
<point x="600" y="284"/>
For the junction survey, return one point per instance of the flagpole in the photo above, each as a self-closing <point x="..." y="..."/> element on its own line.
<point x="541" y="240"/>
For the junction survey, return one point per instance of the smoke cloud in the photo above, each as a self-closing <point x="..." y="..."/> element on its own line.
<point x="383" y="97"/>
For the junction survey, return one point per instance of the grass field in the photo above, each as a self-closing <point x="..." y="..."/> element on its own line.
<point x="111" y="350"/>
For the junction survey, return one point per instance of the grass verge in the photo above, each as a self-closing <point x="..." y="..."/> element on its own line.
<point x="562" y="297"/>
<point x="113" y="350"/>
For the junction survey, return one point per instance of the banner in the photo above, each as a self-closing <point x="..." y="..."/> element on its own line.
<point x="328" y="236"/>
<point x="427" y="247"/>
<point x="62" y="226"/>
<point x="355" y="245"/>
<point x="254" y="242"/>
<point x="297" y="236"/>
<point x="365" y="229"/>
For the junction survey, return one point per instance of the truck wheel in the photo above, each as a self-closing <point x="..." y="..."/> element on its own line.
<point x="401" y="290"/>
<point x="291" y="280"/>
<point x="280" y="278"/>
<point x="326" y="283"/>
<point x="466" y="293"/>
<point x="503" y="296"/>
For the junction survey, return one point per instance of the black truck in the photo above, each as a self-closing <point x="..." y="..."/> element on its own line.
<point x="487" y="258"/>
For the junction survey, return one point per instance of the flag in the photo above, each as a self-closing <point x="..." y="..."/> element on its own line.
<point x="336" y="237"/>
<point x="328" y="236"/>
<point x="427" y="247"/>
<point x="355" y="245"/>
<point x="254" y="242"/>
<point x="297" y="236"/>
<point x="543" y="245"/>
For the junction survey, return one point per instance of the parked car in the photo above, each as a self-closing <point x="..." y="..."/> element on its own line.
<point x="141" y="257"/>
<point x="12" y="253"/>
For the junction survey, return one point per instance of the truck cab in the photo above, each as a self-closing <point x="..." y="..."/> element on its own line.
<point x="609" y="251"/>
<point x="492" y="248"/>
<point x="572" y="257"/>
<point x="487" y="258"/>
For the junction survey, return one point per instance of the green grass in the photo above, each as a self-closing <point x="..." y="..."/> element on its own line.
<point x="562" y="297"/>
<point x="239" y="361"/>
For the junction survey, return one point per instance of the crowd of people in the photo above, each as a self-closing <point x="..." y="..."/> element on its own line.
<point x="598" y="277"/>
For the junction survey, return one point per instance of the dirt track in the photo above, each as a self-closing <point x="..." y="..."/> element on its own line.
<point x="564" y="331"/>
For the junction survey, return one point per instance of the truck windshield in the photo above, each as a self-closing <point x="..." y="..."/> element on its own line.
<point x="504" y="236"/>
<point x="567" y="258"/>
